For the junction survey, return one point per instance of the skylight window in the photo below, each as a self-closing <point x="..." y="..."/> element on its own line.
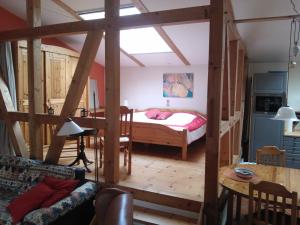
<point x="135" y="41"/>
<point x="142" y="41"/>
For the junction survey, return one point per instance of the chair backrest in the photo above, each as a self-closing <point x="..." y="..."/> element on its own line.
<point x="126" y="116"/>
<point x="270" y="155"/>
<point x="272" y="202"/>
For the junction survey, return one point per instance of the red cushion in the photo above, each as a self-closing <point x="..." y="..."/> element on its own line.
<point x="164" y="115"/>
<point x="29" y="201"/>
<point x="62" y="189"/>
<point x="152" y="113"/>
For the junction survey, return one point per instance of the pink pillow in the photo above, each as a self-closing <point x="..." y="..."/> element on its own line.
<point x="164" y="115"/>
<point x="152" y="113"/>
<point x="29" y="201"/>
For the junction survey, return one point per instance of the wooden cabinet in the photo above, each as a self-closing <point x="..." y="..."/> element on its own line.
<point x="59" y="65"/>
<point x="292" y="151"/>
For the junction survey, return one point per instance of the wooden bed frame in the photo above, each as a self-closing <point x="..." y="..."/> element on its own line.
<point x="159" y="134"/>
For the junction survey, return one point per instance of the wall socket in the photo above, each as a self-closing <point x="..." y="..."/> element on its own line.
<point x="168" y="102"/>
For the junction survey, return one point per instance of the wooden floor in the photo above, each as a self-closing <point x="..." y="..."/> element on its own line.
<point x="159" y="170"/>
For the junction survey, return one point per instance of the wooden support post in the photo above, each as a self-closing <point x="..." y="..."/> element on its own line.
<point x="76" y="89"/>
<point x="226" y="82"/>
<point x="35" y="81"/>
<point x="239" y="100"/>
<point x="237" y="138"/>
<point x="225" y="152"/>
<point x="240" y="79"/>
<point x="214" y="108"/>
<point x="234" y="54"/>
<point x="112" y="83"/>
<point x="14" y="129"/>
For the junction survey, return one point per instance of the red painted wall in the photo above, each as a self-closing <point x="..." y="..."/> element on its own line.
<point x="10" y="21"/>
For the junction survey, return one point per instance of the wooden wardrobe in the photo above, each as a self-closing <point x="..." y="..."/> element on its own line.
<point x="59" y="65"/>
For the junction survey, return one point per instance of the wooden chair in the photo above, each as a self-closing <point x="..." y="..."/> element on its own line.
<point x="271" y="202"/>
<point x="126" y="116"/>
<point x="270" y="155"/>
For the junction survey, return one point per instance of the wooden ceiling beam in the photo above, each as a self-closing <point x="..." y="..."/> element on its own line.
<point x="266" y="19"/>
<point x="138" y="62"/>
<point x="68" y="9"/>
<point x="76" y="89"/>
<point x="142" y="8"/>
<point x="98" y="123"/>
<point x="174" y="16"/>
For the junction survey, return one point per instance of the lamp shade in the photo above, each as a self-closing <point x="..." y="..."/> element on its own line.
<point x="69" y="128"/>
<point x="286" y="113"/>
<point x="126" y="103"/>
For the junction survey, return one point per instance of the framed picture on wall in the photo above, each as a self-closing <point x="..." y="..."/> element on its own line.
<point x="180" y="85"/>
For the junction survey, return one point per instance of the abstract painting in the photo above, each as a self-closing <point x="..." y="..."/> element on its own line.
<point x="180" y="85"/>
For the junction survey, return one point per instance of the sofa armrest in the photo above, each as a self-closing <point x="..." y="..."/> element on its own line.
<point x="47" y="215"/>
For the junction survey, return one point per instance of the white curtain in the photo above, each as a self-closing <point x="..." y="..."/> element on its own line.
<point x="8" y="75"/>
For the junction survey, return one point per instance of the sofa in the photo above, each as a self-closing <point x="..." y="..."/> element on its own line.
<point x="114" y="207"/>
<point x="19" y="175"/>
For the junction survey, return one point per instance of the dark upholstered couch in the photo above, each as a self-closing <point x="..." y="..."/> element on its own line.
<point x="17" y="175"/>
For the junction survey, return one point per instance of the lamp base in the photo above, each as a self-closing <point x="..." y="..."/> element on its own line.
<point x="288" y="126"/>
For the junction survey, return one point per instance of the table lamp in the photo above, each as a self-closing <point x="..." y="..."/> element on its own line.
<point x="69" y="128"/>
<point x="288" y="115"/>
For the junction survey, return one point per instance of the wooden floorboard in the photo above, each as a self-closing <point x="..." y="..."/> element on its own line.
<point x="153" y="217"/>
<point x="160" y="176"/>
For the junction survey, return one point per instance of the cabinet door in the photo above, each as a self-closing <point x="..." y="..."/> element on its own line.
<point x="265" y="131"/>
<point x="270" y="82"/>
<point x="56" y="73"/>
<point x="72" y="62"/>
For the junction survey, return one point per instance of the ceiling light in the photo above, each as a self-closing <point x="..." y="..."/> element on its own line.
<point x="294" y="47"/>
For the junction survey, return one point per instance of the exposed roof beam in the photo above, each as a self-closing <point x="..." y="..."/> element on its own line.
<point x="265" y="19"/>
<point x="13" y="127"/>
<point x="68" y="9"/>
<point x="175" y="16"/>
<point x="140" y="5"/>
<point x="132" y="58"/>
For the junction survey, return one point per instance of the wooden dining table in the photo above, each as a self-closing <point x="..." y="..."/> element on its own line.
<point x="288" y="177"/>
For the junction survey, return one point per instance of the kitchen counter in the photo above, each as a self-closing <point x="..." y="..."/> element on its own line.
<point x="295" y="133"/>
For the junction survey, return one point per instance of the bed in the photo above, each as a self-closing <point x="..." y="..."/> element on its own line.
<point x="180" y="129"/>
